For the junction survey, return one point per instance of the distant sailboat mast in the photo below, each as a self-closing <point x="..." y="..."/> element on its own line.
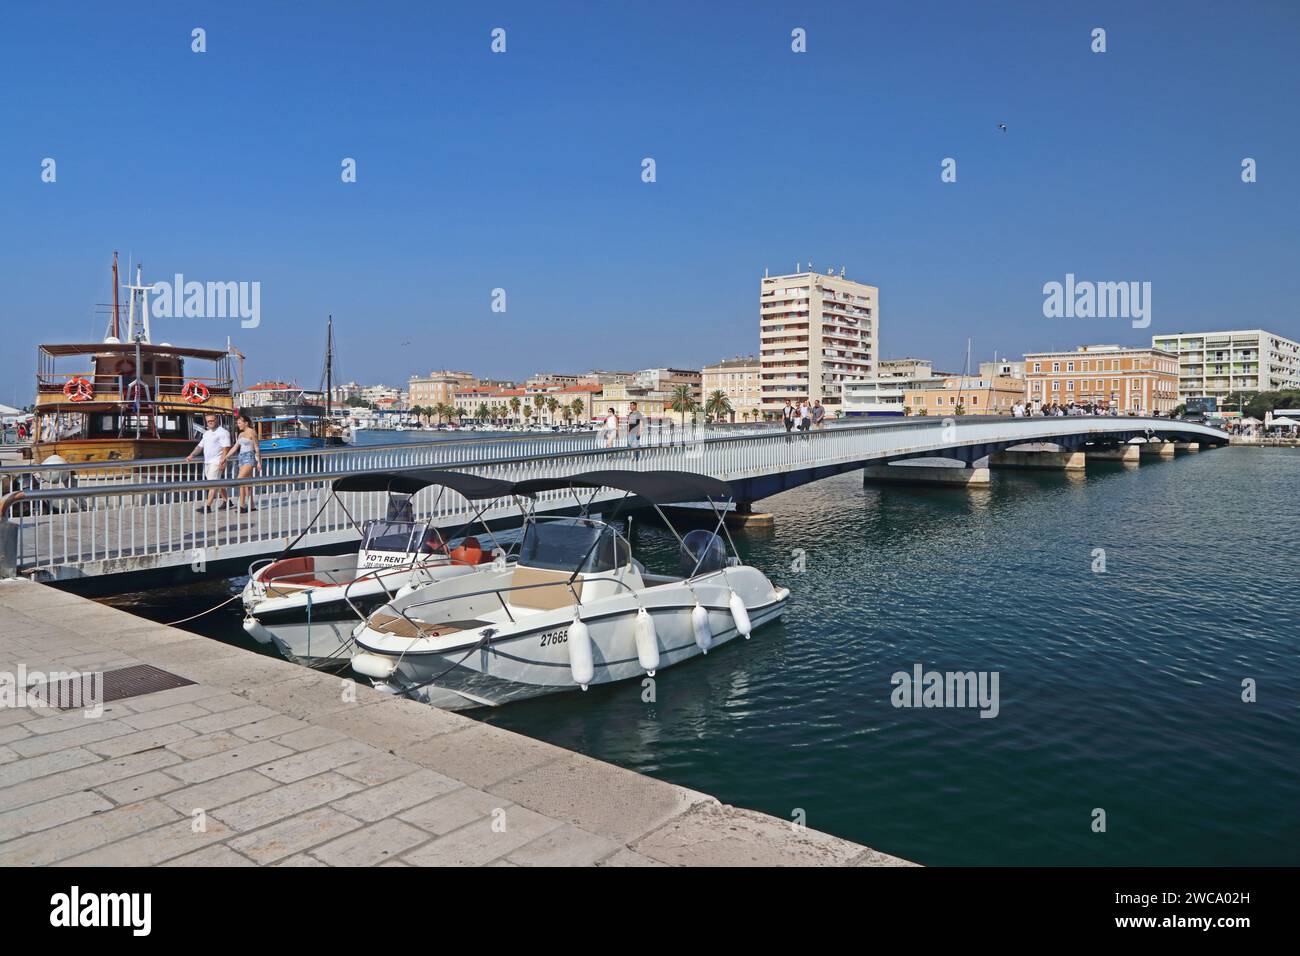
<point x="329" y="365"/>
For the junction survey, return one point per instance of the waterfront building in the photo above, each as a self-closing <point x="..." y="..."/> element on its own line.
<point x="910" y="368"/>
<point x="884" y="394"/>
<point x="603" y="377"/>
<point x="1002" y="368"/>
<point x="340" y="394"/>
<point x="556" y="378"/>
<point x="436" y="388"/>
<point x="569" y="397"/>
<point x="667" y="379"/>
<point x="1224" y="365"/>
<point x="1140" y="380"/>
<point x="738" y="379"/>
<point x="816" y="332"/>
<point x="880" y="396"/>
<point x="620" y="396"/>
<point x="385" y="395"/>
<point x="944" y="395"/>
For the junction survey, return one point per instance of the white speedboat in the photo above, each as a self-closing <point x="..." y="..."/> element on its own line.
<point x="576" y="608"/>
<point x="308" y="606"/>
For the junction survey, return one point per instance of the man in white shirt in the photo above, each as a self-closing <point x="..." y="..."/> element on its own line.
<point x="213" y="442"/>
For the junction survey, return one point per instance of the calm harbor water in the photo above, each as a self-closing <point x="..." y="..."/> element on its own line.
<point x="1118" y="690"/>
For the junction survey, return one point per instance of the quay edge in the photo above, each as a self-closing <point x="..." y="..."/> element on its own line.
<point x="291" y="769"/>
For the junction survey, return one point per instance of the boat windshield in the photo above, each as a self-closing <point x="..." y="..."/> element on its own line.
<point x="403" y="537"/>
<point x="569" y="544"/>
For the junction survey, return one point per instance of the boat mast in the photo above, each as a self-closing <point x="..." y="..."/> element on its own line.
<point x="329" y="365"/>
<point x="139" y="292"/>
<point x="116" y="326"/>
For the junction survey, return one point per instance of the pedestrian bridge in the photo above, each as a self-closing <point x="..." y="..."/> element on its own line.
<point x="132" y="525"/>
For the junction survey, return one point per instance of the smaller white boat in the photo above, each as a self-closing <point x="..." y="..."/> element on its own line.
<point x="308" y="606"/>
<point x="575" y="609"/>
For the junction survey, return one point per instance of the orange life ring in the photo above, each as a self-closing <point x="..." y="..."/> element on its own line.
<point x="196" y="393"/>
<point x="79" y="389"/>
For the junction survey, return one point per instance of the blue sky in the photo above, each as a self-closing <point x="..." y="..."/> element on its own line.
<point x="523" y="171"/>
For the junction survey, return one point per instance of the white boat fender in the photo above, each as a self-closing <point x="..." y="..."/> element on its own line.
<point x="740" y="614"/>
<point x="647" y="642"/>
<point x="580" y="663"/>
<point x="380" y="667"/>
<point x="700" y="625"/>
<point x="256" y="630"/>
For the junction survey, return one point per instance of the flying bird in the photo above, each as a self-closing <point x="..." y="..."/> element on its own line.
<point x="1002" y="127"/>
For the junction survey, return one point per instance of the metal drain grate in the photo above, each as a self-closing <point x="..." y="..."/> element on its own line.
<point x="108" y="686"/>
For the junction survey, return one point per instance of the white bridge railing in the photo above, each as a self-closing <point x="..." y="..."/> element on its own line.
<point x="117" y="527"/>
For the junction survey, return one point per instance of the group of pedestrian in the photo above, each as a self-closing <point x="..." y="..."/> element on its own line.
<point x="217" y="448"/>
<point x="1053" y="410"/>
<point x="803" y="417"/>
<point x="635" y="421"/>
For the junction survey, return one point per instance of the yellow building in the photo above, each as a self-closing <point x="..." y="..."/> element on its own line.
<point x="437" y="388"/>
<point x="620" y="396"/>
<point x="973" y="396"/>
<point x="740" y="379"/>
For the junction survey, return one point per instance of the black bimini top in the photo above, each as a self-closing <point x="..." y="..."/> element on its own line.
<point x="657" y="487"/>
<point x="408" y="482"/>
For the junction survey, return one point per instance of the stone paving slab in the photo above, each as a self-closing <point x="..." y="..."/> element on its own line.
<point x="263" y="762"/>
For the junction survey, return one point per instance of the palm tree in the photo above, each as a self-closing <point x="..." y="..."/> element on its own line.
<point x="718" y="405"/>
<point x="460" y="412"/>
<point x="481" y="413"/>
<point x="515" y="405"/>
<point x="538" y="402"/>
<point x="683" y="401"/>
<point x="552" y="403"/>
<point x="579" y="407"/>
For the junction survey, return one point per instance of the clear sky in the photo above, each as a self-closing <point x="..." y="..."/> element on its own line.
<point x="522" y="171"/>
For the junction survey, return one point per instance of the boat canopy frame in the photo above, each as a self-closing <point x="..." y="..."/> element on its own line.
<point x="658" y="488"/>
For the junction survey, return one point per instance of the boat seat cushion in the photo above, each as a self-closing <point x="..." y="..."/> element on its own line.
<point x="289" y="567"/>
<point x="543" y="590"/>
<point x="386" y="623"/>
<point x="470" y="552"/>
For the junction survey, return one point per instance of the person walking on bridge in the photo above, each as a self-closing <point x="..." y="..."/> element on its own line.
<point x="249" y="458"/>
<point x="634" y="422"/>
<point x="787" y="416"/>
<point x="610" y="428"/>
<point x="213" y="443"/>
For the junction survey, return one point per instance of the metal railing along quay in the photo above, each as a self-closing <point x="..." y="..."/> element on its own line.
<point x="112" y="528"/>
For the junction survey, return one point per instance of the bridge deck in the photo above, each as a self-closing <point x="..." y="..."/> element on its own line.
<point x="114" y="529"/>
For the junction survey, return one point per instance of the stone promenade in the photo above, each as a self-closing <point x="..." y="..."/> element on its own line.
<point x="263" y="762"/>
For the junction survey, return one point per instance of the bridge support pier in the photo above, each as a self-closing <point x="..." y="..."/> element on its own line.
<point x="1187" y="446"/>
<point x="744" y="516"/>
<point x="1053" y="460"/>
<point x="969" y="477"/>
<point x="1125" y="453"/>
<point x="1157" y="449"/>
